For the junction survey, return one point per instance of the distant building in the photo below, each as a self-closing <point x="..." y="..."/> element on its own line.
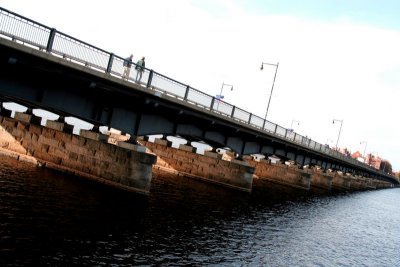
<point x="373" y="161"/>
<point x="358" y="156"/>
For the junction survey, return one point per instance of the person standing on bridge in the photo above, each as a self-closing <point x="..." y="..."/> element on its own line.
<point x="127" y="67"/>
<point x="140" y="65"/>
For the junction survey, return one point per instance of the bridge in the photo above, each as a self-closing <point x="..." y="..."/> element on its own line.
<point x="43" y="68"/>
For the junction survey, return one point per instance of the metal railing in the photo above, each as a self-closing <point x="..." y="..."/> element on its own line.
<point x="33" y="34"/>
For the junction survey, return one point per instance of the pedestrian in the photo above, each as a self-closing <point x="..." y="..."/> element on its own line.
<point x="140" y="65"/>
<point x="127" y="67"/>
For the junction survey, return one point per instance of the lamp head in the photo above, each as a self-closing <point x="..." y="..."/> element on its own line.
<point x="262" y="66"/>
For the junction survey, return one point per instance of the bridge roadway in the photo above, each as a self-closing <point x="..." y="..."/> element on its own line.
<point x="71" y="78"/>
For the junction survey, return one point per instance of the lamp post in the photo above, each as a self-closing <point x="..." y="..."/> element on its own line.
<point x="221" y="96"/>
<point x="365" y="147"/>
<point x="291" y="125"/>
<point x="272" y="89"/>
<point x="341" y="123"/>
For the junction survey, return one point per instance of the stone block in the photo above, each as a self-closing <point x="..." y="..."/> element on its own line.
<point x="73" y="156"/>
<point x="63" y="137"/>
<point x="76" y="149"/>
<point x="48" y="141"/>
<point x="212" y="155"/>
<point x="35" y="129"/>
<point x="93" y="135"/>
<point x="130" y="146"/>
<point x="44" y="148"/>
<point x="78" y="140"/>
<point x="265" y="161"/>
<point x="22" y="125"/>
<point x="17" y="133"/>
<point x="9" y="122"/>
<point x="162" y="142"/>
<point x="144" y="138"/>
<point x="28" y="118"/>
<point x="60" y="126"/>
<point x="118" y="137"/>
<point x="39" y="155"/>
<point x="187" y="148"/>
<point x="49" y="133"/>
<point x="144" y="158"/>
<point x="92" y="144"/>
<point x="248" y="158"/>
<point x="107" y="149"/>
<point x="240" y="162"/>
<point x="58" y="152"/>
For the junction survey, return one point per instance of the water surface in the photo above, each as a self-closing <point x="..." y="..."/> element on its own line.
<point x="52" y="219"/>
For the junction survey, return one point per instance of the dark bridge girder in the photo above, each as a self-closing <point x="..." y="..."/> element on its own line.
<point x="39" y="80"/>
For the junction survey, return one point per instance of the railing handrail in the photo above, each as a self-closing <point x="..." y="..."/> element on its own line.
<point x="25" y="18"/>
<point x="235" y="109"/>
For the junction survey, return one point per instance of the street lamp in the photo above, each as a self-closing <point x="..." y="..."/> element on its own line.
<point x="365" y="147"/>
<point x="221" y="96"/>
<point x="272" y="89"/>
<point x="341" y="123"/>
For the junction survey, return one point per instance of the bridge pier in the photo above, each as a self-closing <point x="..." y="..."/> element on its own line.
<point x="341" y="183"/>
<point x="320" y="182"/>
<point x="280" y="174"/>
<point x="210" y="167"/>
<point x="125" y="166"/>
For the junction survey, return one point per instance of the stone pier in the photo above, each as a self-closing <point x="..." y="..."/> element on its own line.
<point x="210" y="167"/>
<point x="113" y="160"/>
<point x="320" y="182"/>
<point x="341" y="183"/>
<point x="280" y="173"/>
<point x="124" y="165"/>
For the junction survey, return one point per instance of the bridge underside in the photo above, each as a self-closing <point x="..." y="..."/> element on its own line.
<point x="37" y="80"/>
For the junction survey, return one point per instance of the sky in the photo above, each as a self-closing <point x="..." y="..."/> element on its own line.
<point x="338" y="59"/>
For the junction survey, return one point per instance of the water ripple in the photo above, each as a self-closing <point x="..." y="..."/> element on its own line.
<point x="51" y="219"/>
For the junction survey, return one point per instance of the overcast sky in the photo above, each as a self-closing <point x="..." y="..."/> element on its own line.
<point x="338" y="59"/>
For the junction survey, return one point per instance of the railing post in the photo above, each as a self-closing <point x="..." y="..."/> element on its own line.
<point x="186" y="92"/>
<point x="212" y="103"/>
<point x="250" y="118"/>
<point x="50" y="42"/>
<point x="150" y="78"/>
<point x="110" y="62"/>
<point x="276" y="128"/>
<point x="233" y="111"/>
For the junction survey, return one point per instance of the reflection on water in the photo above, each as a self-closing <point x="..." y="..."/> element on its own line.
<point x="48" y="218"/>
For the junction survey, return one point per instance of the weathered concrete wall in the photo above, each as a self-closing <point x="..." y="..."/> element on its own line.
<point x="209" y="167"/>
<point x="280" y="173"/>
<point x="125" y="166"/>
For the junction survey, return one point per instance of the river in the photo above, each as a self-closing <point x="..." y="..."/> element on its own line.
<point x="49" y="218"/>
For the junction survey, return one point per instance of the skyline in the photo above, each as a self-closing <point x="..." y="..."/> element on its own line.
<point x="332" y="67"/>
